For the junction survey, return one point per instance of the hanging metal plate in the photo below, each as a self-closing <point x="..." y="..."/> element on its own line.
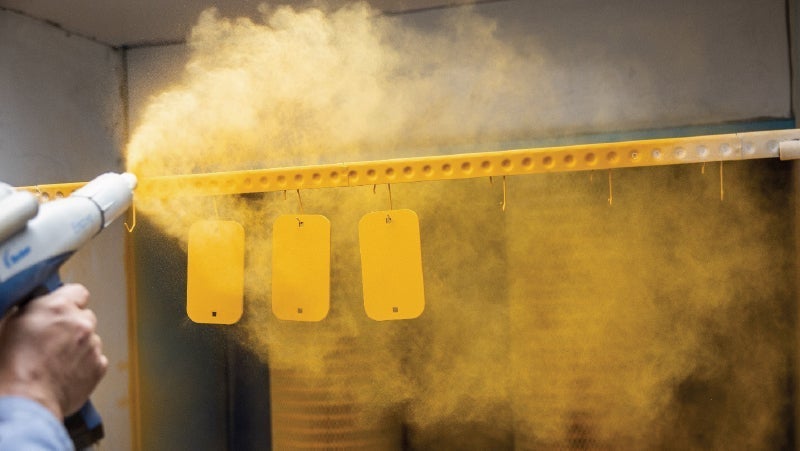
<point x="301" y="267"/>
<point x="391" y="265"/>
<point x="215" y="278"/>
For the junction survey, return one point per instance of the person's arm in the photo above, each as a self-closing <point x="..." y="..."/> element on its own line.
<point x="27" y="425"/>
<point x="49" y="354"/>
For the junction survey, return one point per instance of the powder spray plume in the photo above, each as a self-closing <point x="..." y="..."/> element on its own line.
<point x="561" y="323"/>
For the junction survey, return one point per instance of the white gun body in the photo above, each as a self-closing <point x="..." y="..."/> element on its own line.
<point x="30" y="257"/>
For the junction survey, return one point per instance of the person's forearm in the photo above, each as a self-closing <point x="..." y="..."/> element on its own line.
<point x="20" y="388"/>
<point x="27" y="425"/>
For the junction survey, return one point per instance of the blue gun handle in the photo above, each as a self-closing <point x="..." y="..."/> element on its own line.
<point x="84" y="426"/>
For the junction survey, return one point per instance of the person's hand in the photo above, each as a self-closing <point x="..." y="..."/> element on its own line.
<point x="49" y="351"/>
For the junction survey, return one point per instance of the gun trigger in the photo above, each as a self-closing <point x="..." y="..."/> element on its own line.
<point x="52" y="283"/>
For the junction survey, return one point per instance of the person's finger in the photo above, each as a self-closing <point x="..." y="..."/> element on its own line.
<point x="60" y="300"/>
<point x="100" y="363"/>
<point x="96" y="343"/>
<point x="76" y="293"/>
<point x="90" y="316"/>
<point x="103" y="366"/>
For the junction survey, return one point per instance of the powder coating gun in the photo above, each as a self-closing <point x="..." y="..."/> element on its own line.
<point x="34" y="246"/>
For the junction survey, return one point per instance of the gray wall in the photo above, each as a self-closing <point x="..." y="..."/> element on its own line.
<point x="588" y="67"/>
<point x="61" y="120"/>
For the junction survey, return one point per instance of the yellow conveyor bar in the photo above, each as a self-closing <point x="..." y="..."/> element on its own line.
<point x="696" y="149"/>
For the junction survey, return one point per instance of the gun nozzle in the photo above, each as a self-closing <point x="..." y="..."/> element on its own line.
<point x="130" y="179"/>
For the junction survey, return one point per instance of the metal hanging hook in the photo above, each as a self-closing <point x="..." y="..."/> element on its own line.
<point x="503" y="205"/>
<point x="389" y="186"/>
<point x="300" y="201"/>
<point x="130" y="228"/>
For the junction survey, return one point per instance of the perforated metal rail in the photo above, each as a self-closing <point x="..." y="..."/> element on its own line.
<point x="696" y="149"/>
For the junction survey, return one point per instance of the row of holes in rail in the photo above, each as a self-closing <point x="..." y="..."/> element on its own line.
<point x="447" y="169"/>
<point x="45" y="196"/>
<point x="474" y="167"/>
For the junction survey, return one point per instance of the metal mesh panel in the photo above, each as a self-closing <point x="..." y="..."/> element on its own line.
<point x="312" y="411"/>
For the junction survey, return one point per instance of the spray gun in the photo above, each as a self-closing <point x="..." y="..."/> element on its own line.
<point x="36" y="240"/>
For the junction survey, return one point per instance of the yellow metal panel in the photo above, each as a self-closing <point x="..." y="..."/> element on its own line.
<point x="301" y="267"/>
<point x="215" y="273"/>
<point x="391" y="265"/>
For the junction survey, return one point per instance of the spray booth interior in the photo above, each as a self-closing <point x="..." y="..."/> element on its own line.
<point x="426" y="225"/>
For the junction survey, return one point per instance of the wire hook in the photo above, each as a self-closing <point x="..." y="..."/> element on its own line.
<point x="389" y="186"/>
<point x="300" y="201"/>
<point x="503" y="205"/>
<point x="130" y="228"/>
